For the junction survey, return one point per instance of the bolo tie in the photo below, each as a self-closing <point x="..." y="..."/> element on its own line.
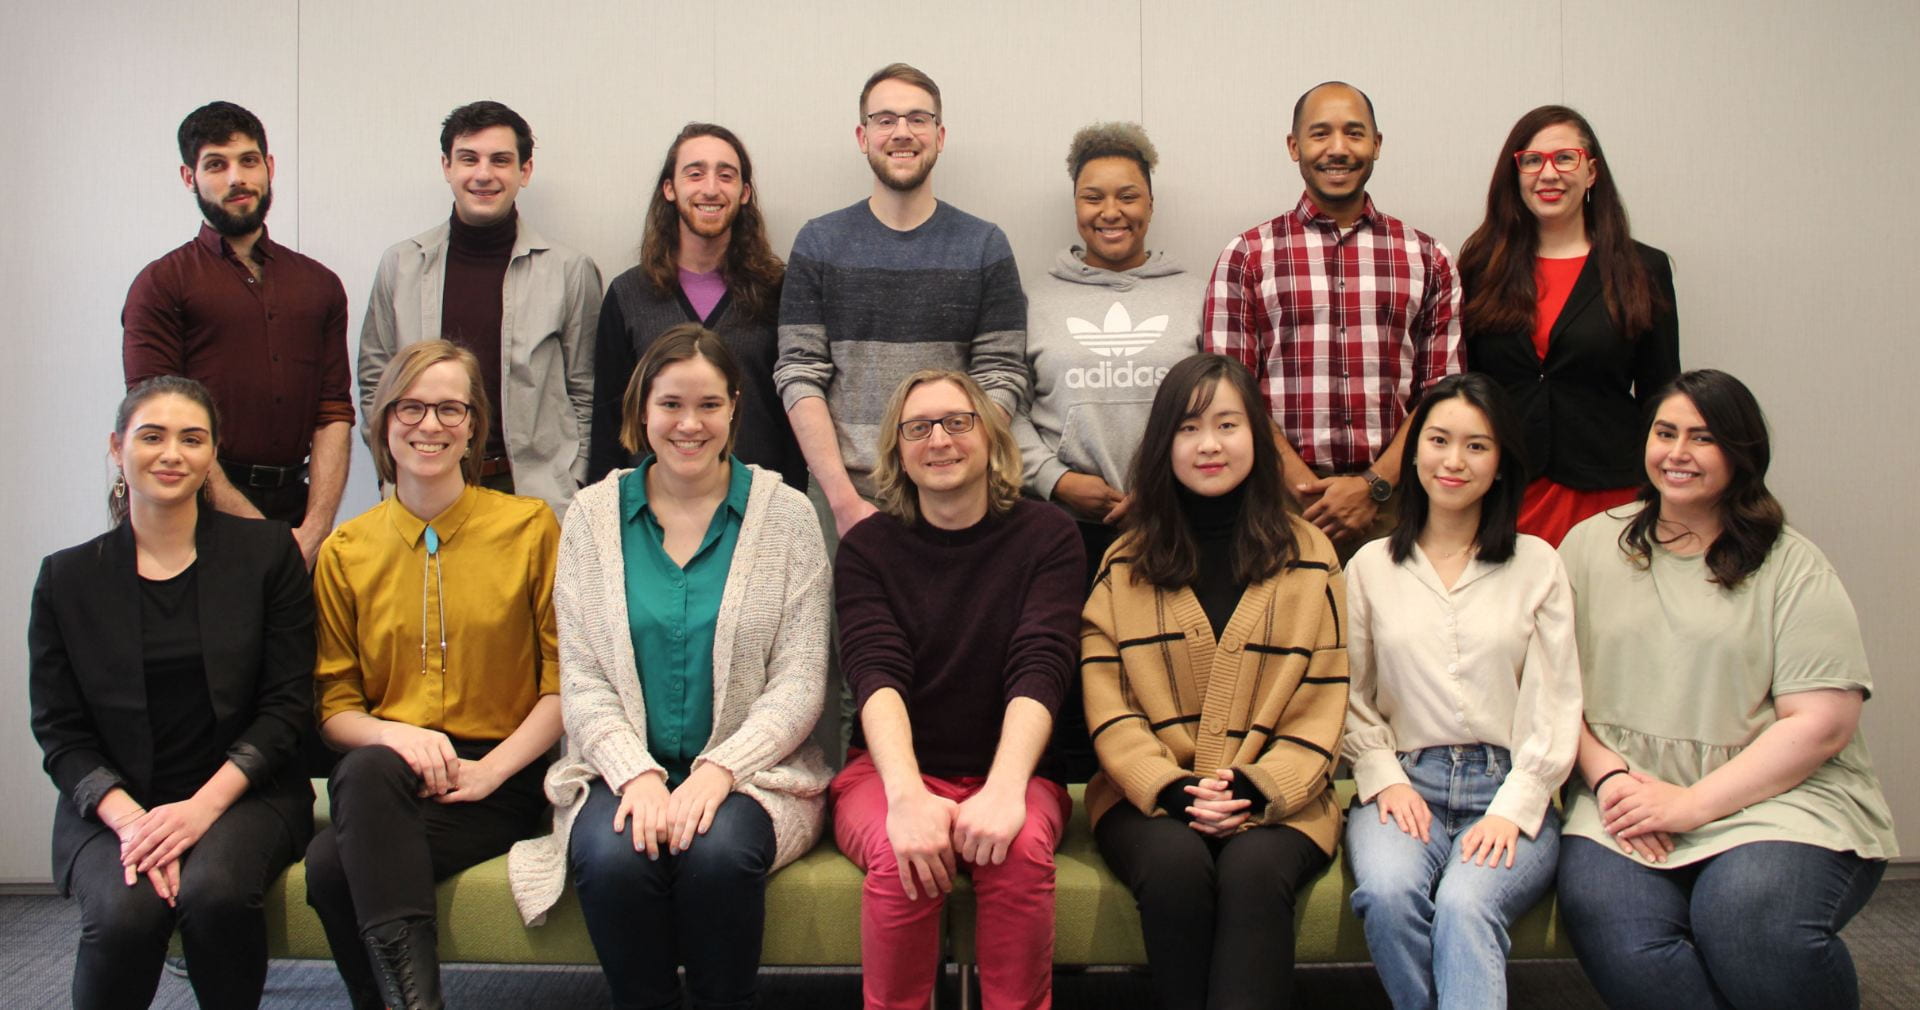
<point x="434" y="565"/>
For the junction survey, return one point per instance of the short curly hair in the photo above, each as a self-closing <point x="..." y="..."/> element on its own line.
<point x="1112" y="140"/>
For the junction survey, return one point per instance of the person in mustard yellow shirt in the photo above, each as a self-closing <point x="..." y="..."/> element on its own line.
<point x="438" y="675"/>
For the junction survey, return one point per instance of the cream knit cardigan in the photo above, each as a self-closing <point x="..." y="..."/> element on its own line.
<point x="769" y="675"/>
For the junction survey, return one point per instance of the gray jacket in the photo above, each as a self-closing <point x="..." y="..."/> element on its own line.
<point x="550" y="308"/>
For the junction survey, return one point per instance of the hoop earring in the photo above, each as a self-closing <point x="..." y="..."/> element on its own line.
<point x="119" y="487"/>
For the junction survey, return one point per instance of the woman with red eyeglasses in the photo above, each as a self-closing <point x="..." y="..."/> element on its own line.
<point x="1571" y="315"/>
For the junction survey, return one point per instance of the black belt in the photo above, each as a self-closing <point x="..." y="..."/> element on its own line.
<point x="261" y="476"/>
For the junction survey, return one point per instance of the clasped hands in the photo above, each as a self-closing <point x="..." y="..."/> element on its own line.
<point x="928" y="832"/>
<point x="671" y="819"/>
<point x="1643" y="813"/>
<point x="152" y="842"/>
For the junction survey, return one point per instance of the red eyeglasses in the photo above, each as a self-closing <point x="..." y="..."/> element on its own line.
<point x="1565" y="159"/>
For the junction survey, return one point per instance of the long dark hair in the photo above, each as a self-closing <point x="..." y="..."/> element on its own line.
<point x="148" y="389"/>
<point x="752" y="272"/>
<point x="1160" y="539"/>
<point x="1496" y="263"/>
<point x="1500" y="508"/>
<point x="1751" y="518"/>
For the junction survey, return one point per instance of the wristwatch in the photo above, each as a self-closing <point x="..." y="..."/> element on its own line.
<point x="1377" y="487"/>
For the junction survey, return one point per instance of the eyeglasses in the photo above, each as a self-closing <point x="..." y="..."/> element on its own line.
<point x="919" y="121"/>
<point x="451" y="413"/>
<point x="1564" y="160"/>
<point x="955" y="424"/>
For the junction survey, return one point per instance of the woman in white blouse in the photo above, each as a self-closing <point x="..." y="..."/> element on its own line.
<point x="1464" y="713"/>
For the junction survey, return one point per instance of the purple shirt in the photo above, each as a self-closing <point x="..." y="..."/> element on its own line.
<point x="704" y="291"/>
<point x="961" y="622"/>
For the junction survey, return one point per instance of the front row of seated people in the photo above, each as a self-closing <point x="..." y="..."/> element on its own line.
<point x="1694" y="659"/>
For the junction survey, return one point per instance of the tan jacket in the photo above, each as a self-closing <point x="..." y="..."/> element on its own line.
<point x="1268" y="699"/>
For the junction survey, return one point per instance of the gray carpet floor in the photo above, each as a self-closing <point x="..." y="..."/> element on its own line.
<point x="37" y="937"/>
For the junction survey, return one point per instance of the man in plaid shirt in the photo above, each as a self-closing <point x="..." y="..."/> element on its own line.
<point x="1344" y="314"/>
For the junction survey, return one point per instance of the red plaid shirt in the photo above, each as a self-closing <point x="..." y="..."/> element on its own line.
<point x="1342" y="330"/>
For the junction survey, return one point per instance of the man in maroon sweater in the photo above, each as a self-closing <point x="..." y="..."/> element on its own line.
<point x="959" y="606"/>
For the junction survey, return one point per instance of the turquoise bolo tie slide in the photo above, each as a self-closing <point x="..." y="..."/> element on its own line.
<point x="433" y="541"/>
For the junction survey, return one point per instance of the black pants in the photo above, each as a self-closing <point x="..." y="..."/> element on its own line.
<point x="1217" y="916"/>
<point x="388" y="847"/>
<point x="124" y="930"/>
<point x="705" y="907"/>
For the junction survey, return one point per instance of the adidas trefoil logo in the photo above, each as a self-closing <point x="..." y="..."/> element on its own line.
<point x="1118" y="337"/>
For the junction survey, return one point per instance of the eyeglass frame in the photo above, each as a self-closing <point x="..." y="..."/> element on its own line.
<point x="1546" y="158"/>
<point x="878" y="130"/>
<point x="943" y="423"/>
<point x="466" y="410"/>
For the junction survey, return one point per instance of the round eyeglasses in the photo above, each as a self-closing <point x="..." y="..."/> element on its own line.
<point x="451" y="413"/>
<point x="955" y="424"/>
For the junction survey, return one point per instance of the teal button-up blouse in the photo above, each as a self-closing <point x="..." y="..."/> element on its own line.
<point x="671" y="613"/>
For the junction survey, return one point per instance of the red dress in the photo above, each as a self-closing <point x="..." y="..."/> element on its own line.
<point x="1550" y="508"/>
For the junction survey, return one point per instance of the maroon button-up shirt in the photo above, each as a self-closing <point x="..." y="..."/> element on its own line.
<point x="272" y="351"/>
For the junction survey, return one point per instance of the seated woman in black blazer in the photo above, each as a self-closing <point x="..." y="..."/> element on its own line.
<point x="171" y="665"/>
<point x="1570" y="315"/>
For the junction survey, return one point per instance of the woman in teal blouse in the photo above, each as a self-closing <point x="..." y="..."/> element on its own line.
<point x="692" y="596"/>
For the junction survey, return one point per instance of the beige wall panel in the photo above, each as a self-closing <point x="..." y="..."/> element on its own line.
<point x="1447" y="82"/>
<point x="1763" y="146"/>
<point x="1016" y="79"/>
<point x="100" y="90"/>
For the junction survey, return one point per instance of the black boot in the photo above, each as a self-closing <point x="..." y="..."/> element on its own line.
<point x="406" y="962"/>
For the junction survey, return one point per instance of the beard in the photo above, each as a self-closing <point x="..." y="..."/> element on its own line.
<point x="690" y="220"/>
<point x="234" y="225"/>
<point x="882" y="170"/>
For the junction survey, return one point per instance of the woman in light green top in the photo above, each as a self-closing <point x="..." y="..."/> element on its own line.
<point x="1729" y="822"/>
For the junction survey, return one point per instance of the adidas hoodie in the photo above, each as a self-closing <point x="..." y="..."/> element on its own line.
<point x="1098" y="344"/>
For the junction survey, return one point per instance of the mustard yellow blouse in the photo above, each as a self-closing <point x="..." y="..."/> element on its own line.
<point x="379" y="599"/>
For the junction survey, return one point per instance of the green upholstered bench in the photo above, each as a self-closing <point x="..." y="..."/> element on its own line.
<point x="813" y="914"/>
<point x="1095" y="922"/>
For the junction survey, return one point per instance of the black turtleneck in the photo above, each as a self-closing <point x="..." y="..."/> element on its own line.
<point x="1213" y="521"/>
<point x="470" y="310"/>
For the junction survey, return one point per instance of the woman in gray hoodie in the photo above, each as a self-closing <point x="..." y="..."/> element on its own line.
<point x="1103" y="327"/>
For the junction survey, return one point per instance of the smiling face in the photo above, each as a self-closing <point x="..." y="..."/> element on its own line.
<point x="943" y="463"/>
<point x="166" y="450"/>
<point x="1336" y="145"/>
<point x="689" y="417"/>
<point x="430" y="452"/>
<point x="1112" y="207"/>
<point x="1213" y="447"/>
<point x="486" y="174"/>
<point x="902" y="160"/>
<point x="1552" y="194"/>
<point x="706" y="187"/>
<point x="1684" y="461"/>
<point x="233" y="183"/>
<point x="1457" y="459"/>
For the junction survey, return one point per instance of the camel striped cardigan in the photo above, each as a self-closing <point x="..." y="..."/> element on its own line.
<point x="1165" y="700"/>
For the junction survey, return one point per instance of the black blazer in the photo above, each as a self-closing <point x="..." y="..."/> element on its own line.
<point x="87" y="678"/>
<point x="1582" y="407"/>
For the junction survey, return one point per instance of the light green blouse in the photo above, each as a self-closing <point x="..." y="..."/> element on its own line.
<point x="1680" y="675"/>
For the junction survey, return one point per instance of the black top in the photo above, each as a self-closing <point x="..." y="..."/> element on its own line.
<point x="1212" y="521"/>
<point x="473" y="303"/>
<point x="1582" y="407"/>
<point x="179" y="709"/>
<point x="632" y="315"/>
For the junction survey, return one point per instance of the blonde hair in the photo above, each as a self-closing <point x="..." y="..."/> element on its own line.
<point x="402" y="372"/>
<point x="896" y="493"/>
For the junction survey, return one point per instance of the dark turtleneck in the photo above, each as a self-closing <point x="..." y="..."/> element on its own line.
<point x="1213" y="521"/>
<point x="470" y="310"/>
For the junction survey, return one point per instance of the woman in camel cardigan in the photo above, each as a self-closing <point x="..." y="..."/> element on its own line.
<point x="1214" y="671"/>
<point x="692" y="595"/>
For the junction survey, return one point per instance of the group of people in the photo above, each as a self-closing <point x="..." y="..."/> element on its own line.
<point x="1200" y="541"/>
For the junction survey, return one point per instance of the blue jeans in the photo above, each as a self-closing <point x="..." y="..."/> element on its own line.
<point x="1755" y="926"/>
<point x="705" y="907"/>
<point x="1437" y="927"/>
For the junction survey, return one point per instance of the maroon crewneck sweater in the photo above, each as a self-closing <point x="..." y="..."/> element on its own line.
<point x="961" y="622"/>
<point x="471" y="306"/>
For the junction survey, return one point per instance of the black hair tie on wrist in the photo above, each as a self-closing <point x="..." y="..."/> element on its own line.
<point x="1604" y="778"/>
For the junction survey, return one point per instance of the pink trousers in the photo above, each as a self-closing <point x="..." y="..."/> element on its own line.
<point x="900" y="938"/>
